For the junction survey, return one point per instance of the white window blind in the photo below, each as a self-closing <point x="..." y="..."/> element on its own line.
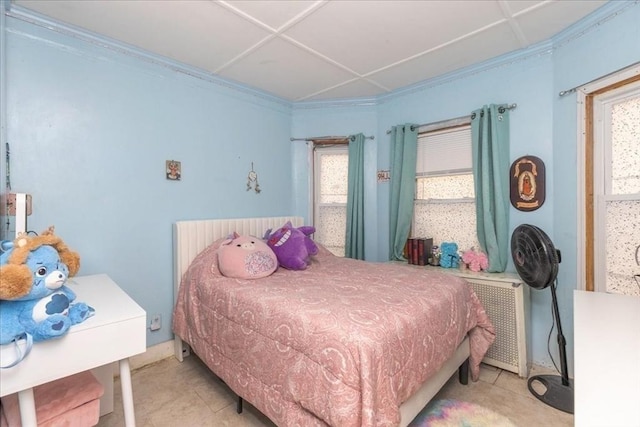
<point x="444" y="152"/>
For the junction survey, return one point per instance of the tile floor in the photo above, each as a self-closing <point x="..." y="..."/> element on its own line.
<point x="169" y="393"/>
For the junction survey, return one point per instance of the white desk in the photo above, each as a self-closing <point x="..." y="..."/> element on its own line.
<point x="116" y="332"/>
<point x="606" y="358"/>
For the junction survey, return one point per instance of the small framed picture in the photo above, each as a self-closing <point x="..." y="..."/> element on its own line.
<point x="173" y="170"/>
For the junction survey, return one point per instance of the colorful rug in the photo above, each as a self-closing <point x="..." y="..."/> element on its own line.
<point x="454" y="413"/>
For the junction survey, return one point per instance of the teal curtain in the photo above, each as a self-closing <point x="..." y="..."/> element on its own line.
<point x="354" y="242"/>
<point x="490" y="151"/>
<point x="404" y="142"/>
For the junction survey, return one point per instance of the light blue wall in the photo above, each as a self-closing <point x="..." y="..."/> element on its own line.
<point x="542" y="125"/>
<point x="526" y="81"/>
<point x="90" y="130"/>
<point x="522" y="80"/>
<point x="612" y="42"/>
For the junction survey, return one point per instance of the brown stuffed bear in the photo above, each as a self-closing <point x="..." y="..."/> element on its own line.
<point x="16" y="278"/>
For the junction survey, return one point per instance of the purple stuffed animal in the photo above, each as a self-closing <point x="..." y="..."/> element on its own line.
<point x="292" y="246"/>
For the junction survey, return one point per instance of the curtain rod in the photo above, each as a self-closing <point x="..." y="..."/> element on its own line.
<point x="573" y="89"/>
<point x="320" y="138"/>
<point x="454" y="122"/>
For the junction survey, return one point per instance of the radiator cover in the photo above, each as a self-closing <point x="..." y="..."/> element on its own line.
<point x="507" y="305"/>
<point x="505" y="298"/>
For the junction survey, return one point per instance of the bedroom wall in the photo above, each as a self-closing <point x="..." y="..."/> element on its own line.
<point x="543" y="124"/>
<point x="89" y="131"/>
<point x="610" y="42"/>
<point x="526" y="80"/>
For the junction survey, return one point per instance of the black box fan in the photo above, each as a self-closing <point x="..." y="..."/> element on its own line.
<point x="536" y="261"/>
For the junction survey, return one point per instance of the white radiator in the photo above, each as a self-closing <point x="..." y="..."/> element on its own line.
<point x="505" y="298"/>
<point x="507" y="304"/>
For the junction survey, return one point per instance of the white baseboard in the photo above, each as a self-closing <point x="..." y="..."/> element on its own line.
<point x="153" y="354"/>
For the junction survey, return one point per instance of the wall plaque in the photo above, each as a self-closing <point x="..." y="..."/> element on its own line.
<point x="527" y="177"/>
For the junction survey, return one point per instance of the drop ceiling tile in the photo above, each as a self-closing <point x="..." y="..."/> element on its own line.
<point x="359" y="88"/>
<point x="517" y="6"/>
<point x="488" y="44"/>
<point x="192" y="32"/>
<point x="273" y="13"/>
<point x="556" y="17"/>
<point x="367" y="35"/>
<point x="398" y="43"/>
<point x="286" y="70"/>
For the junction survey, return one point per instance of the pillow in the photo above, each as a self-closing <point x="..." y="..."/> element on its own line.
<point x="246" y="257"/>
<point x="293" y="246"/>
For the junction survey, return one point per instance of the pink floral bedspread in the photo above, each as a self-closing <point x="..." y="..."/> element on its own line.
<point x="342" y="343"/>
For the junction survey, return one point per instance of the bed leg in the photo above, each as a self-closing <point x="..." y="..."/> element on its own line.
<point x="463" y="372"/>
<point x="239" y="406"/>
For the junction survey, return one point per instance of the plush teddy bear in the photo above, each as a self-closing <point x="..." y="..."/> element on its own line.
<point x="476" y="261"/>
<point x="449" y="257"/>
<point x="293" y="246"/>
<point x="47" y="310"/>
<point x="12" y="289"/>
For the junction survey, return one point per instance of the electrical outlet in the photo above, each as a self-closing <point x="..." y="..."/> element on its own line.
<point x="156" y="323"/>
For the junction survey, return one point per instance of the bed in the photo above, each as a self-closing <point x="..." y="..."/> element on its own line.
<point x="342" y="343"/>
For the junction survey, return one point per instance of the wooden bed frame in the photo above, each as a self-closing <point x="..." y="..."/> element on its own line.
<point x="193" y="236"/>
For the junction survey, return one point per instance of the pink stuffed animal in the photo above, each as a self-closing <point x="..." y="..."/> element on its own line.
<point x="475" y="260"/>
<point x="246" y="257"/>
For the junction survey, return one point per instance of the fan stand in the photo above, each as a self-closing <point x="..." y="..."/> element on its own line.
<point x="558" y="390"/>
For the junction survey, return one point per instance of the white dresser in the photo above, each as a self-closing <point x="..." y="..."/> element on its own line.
<point x="116" y="332"/>
<point x="606" y="359"/>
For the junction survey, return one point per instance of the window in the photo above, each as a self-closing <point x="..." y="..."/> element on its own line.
<point x="331" y="168"/>
<point x="444" y="205"/>
<point x="616" y="177"/>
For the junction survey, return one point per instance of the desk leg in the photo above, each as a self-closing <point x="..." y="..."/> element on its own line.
<point x="127" y="393"/>
<point x="27" y="405"/>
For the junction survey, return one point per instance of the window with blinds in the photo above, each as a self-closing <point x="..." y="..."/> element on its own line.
<point x="443" y="166"/>
<point x="444" y="205"/>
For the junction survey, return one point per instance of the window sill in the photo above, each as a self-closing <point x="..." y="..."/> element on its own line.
<point x="506" y="277"/>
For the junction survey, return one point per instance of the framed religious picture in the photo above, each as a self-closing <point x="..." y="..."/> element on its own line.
<point x="527" y="182"/>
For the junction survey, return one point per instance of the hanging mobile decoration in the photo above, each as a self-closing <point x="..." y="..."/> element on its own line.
<point x="252" y="181"/>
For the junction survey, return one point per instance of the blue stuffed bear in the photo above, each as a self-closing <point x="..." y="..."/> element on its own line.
<point x="449" y="257"/>
<point x="48" y="310"/>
